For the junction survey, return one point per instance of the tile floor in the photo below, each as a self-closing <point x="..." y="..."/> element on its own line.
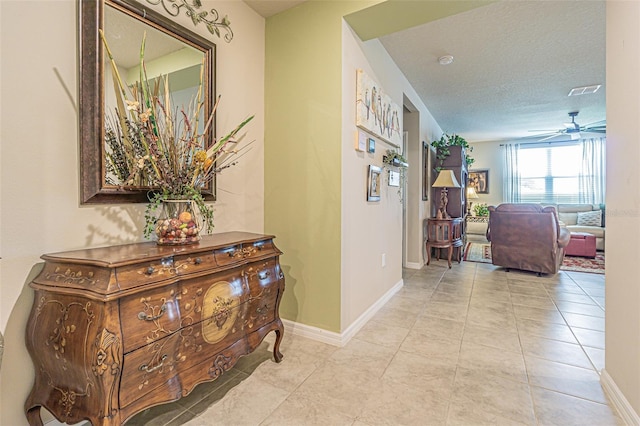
<point x="472" y="345"/>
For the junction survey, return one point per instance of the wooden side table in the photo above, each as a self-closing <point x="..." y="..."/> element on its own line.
<point x="444" y="233"/>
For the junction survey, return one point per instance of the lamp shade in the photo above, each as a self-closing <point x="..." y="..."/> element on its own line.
<point x="446" y="179"/>
<point x="471" y="193"/>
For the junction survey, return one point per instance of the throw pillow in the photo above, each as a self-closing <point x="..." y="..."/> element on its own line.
<point x="593" y="218"/>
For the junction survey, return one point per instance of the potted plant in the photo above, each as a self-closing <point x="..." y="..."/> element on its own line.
<point x="153" y="144"/>
<point x="480" y="210"/>
<point x="443" y="150"/>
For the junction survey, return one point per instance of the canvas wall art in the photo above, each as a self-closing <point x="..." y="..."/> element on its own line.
<point x="376" y="112"/>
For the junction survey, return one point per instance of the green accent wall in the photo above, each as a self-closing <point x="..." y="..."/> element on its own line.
<point x="303" y="136"/>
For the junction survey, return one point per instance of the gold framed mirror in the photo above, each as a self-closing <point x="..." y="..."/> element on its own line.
<point x="123" y="23"/>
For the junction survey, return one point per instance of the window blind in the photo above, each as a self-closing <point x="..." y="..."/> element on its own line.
<point x="550" y="174"/>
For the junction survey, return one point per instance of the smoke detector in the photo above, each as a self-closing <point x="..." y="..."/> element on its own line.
<point x="445" y="60"/>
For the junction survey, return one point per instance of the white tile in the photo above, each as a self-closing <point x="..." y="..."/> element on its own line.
<point x="473" y="345"/>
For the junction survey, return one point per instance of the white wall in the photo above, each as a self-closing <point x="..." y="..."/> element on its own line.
<point x="623" y="200"/>
<point x="39" y="159"/>
<point x="416" y="207"/>
<point x="488" y="155"/>
<point x="370" y="230"/>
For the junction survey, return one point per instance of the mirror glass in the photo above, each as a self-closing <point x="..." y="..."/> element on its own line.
<point x="171" y="52"/>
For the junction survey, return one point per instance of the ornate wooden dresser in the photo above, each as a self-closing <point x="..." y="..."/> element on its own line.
<point x="118" y="329"/>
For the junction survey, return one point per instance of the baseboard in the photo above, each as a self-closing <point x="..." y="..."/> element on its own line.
<point x="413" y="265"/>
<point x="369" y="313"/>
<point x="313" y="333"/>
<point x="341" y="339"/>
<point x="618" y="400"/>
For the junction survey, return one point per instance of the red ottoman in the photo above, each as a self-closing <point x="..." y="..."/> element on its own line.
<point x="581" y="244"/>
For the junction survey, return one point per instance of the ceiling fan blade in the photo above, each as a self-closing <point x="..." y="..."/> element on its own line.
<point x="549" y="137"/>
<point x="601" y="123"/>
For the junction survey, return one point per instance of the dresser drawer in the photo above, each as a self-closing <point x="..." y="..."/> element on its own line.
<point x="150" y="367"/>
<point x="151" y="271"/>
<point x="260" y="275"/>
<point x="189" y="264"/>
<point x="200" y="298"/>
<point x="228" y="255"/>
<point x="149" y="316"/>
<point x="261" y="310"/>
<point x="74" y="276"/>
<point x="236" y="253"/>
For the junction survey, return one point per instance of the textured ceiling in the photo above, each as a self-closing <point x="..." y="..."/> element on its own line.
<point x="514" y="64"/>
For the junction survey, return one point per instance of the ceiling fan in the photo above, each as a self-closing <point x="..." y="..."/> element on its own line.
<point x="573" y="129"/>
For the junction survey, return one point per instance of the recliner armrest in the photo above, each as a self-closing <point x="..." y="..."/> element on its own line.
<point x="564" y="236"/>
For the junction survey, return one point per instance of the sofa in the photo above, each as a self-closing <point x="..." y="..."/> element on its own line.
<point x="528" y="237"/>
<point x="583" y="218"/>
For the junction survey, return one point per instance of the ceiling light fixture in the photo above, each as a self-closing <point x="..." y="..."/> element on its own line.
<point x="445" y="60"/>
<point x="584" y="90"/>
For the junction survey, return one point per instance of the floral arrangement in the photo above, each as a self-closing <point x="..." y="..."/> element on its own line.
<point x="152" y="144"/>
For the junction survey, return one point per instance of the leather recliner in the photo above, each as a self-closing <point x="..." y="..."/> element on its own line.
<point x="528" y="237"/>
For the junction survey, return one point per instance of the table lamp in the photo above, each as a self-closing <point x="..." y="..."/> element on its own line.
<point x="446" y="179"/>
<point x="471" y="195"/>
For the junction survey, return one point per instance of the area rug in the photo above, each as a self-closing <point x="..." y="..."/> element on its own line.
<point x="478" y="252"/>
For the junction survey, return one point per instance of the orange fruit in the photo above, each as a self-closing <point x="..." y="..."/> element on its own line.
<point x="185" y="217"/>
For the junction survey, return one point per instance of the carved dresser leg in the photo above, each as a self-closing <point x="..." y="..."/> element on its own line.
<point x="276" y="347"/>
<point x="33" y="416"/>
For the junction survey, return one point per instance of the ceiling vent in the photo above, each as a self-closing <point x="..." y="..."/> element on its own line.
<point x="584" y="90"/>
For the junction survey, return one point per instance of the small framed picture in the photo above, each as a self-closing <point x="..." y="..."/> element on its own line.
<point x="427" y="166"/>
<point x="361" y="141"/>
<point x="479" y="179"/>
<point x="371" y="145"/>
<point x="394" y="178"/>
<point x="373" y="183"/>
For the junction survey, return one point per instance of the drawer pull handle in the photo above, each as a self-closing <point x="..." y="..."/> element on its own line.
<point x="198" y="261"/>
<point x="146" y="368"/>
<point x="262" y="310"/>
<point x="263" y="274"/>
<point x="150" y="270"/>
<point x="146" y="317"/>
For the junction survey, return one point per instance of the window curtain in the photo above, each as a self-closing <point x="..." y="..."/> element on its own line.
<point x="511" y="181"/>
<point x="593" y="173"/>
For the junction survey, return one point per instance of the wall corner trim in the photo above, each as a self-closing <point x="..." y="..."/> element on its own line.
<point x="618" y="400"/>
<point x="413" y="265"/>
<point x="341" y="339"/>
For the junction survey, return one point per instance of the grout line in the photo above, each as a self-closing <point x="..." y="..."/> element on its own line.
<point x="571" y="328"/>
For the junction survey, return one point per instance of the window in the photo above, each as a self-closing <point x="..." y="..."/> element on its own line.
<point x="558" y="172"/>
<point x="550" y="174"/>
